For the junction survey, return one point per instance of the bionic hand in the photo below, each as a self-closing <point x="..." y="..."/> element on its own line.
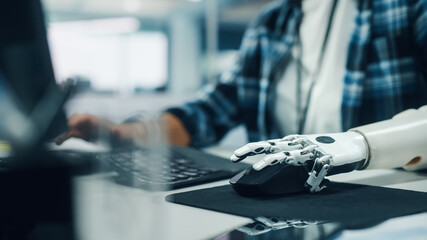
<point x="398" y="142"/>
<point x="320" y="155"/>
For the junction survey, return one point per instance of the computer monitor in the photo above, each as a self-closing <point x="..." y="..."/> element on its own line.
<point x="26" y="72"/>
<point x="36" y="200"/>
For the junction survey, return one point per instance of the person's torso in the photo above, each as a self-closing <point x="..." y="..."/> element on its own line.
<point x="323" y="112"/>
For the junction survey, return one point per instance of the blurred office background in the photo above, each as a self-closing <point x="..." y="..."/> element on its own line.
<point x="143" y="45"/>
<point x="128" y="54"/>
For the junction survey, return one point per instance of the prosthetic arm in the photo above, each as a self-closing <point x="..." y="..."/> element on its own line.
<point x="398" y="142"/>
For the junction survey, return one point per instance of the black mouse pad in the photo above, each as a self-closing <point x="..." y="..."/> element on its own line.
<point x="352" y="205"/>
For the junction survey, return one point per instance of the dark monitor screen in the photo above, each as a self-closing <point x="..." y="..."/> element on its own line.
<point x="26" y="68"/>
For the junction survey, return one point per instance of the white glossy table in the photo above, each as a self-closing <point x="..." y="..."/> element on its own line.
<point x="106" y="210"/>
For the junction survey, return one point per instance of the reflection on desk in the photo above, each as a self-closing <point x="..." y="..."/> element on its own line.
<point x="408" y="227"/>
<point x="278" y="228"/>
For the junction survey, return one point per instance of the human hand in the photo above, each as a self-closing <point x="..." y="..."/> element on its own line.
<point x="320" y="155"/>
<point x="91" y="128"/>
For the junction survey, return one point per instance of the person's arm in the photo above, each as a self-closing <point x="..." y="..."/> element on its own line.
<point x="92" y="128"/>
<point x="233" y="99"/>
<point x="176" y="133"/>
<point x="87" y="127"/>
<point x="401" y="141"/>
<point x="208" y="118"/>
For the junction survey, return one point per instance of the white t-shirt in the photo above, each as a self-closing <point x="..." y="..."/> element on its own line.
<point x="324" y="111"/>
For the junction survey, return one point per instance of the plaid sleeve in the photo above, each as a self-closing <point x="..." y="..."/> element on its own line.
<point x="420" y="32"/>
<point x="212" y="114"/>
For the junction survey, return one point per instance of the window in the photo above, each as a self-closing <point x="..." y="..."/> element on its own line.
<point x="113" y="54"/>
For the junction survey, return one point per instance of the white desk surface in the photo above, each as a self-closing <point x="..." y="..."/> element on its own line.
<point x="106" y="210"/>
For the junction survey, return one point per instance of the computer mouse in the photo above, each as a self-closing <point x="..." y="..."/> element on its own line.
<point x="273" y="180"/>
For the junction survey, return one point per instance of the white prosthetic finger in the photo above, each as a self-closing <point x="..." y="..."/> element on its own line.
<point x="288" y="143"/>
<point x="270" y="160"/>
<point x="290" y="137"/>
<point x="285" y="146"/>
<point x="318" y="173"/>
<point x="298" y="140"/>
<point x="250" y="149"/>
<point x="299" y="157"/>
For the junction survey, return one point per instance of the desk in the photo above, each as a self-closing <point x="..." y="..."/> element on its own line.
<point x="106" y="210"/>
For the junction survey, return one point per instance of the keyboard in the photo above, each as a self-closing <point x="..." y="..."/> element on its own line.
<point x="168" y="168"/>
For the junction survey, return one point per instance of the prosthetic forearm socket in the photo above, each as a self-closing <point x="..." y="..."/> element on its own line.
<point x="398" y="142"/>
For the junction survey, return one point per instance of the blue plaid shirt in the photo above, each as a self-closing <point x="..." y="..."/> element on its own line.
<point x="386" y="71"/>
